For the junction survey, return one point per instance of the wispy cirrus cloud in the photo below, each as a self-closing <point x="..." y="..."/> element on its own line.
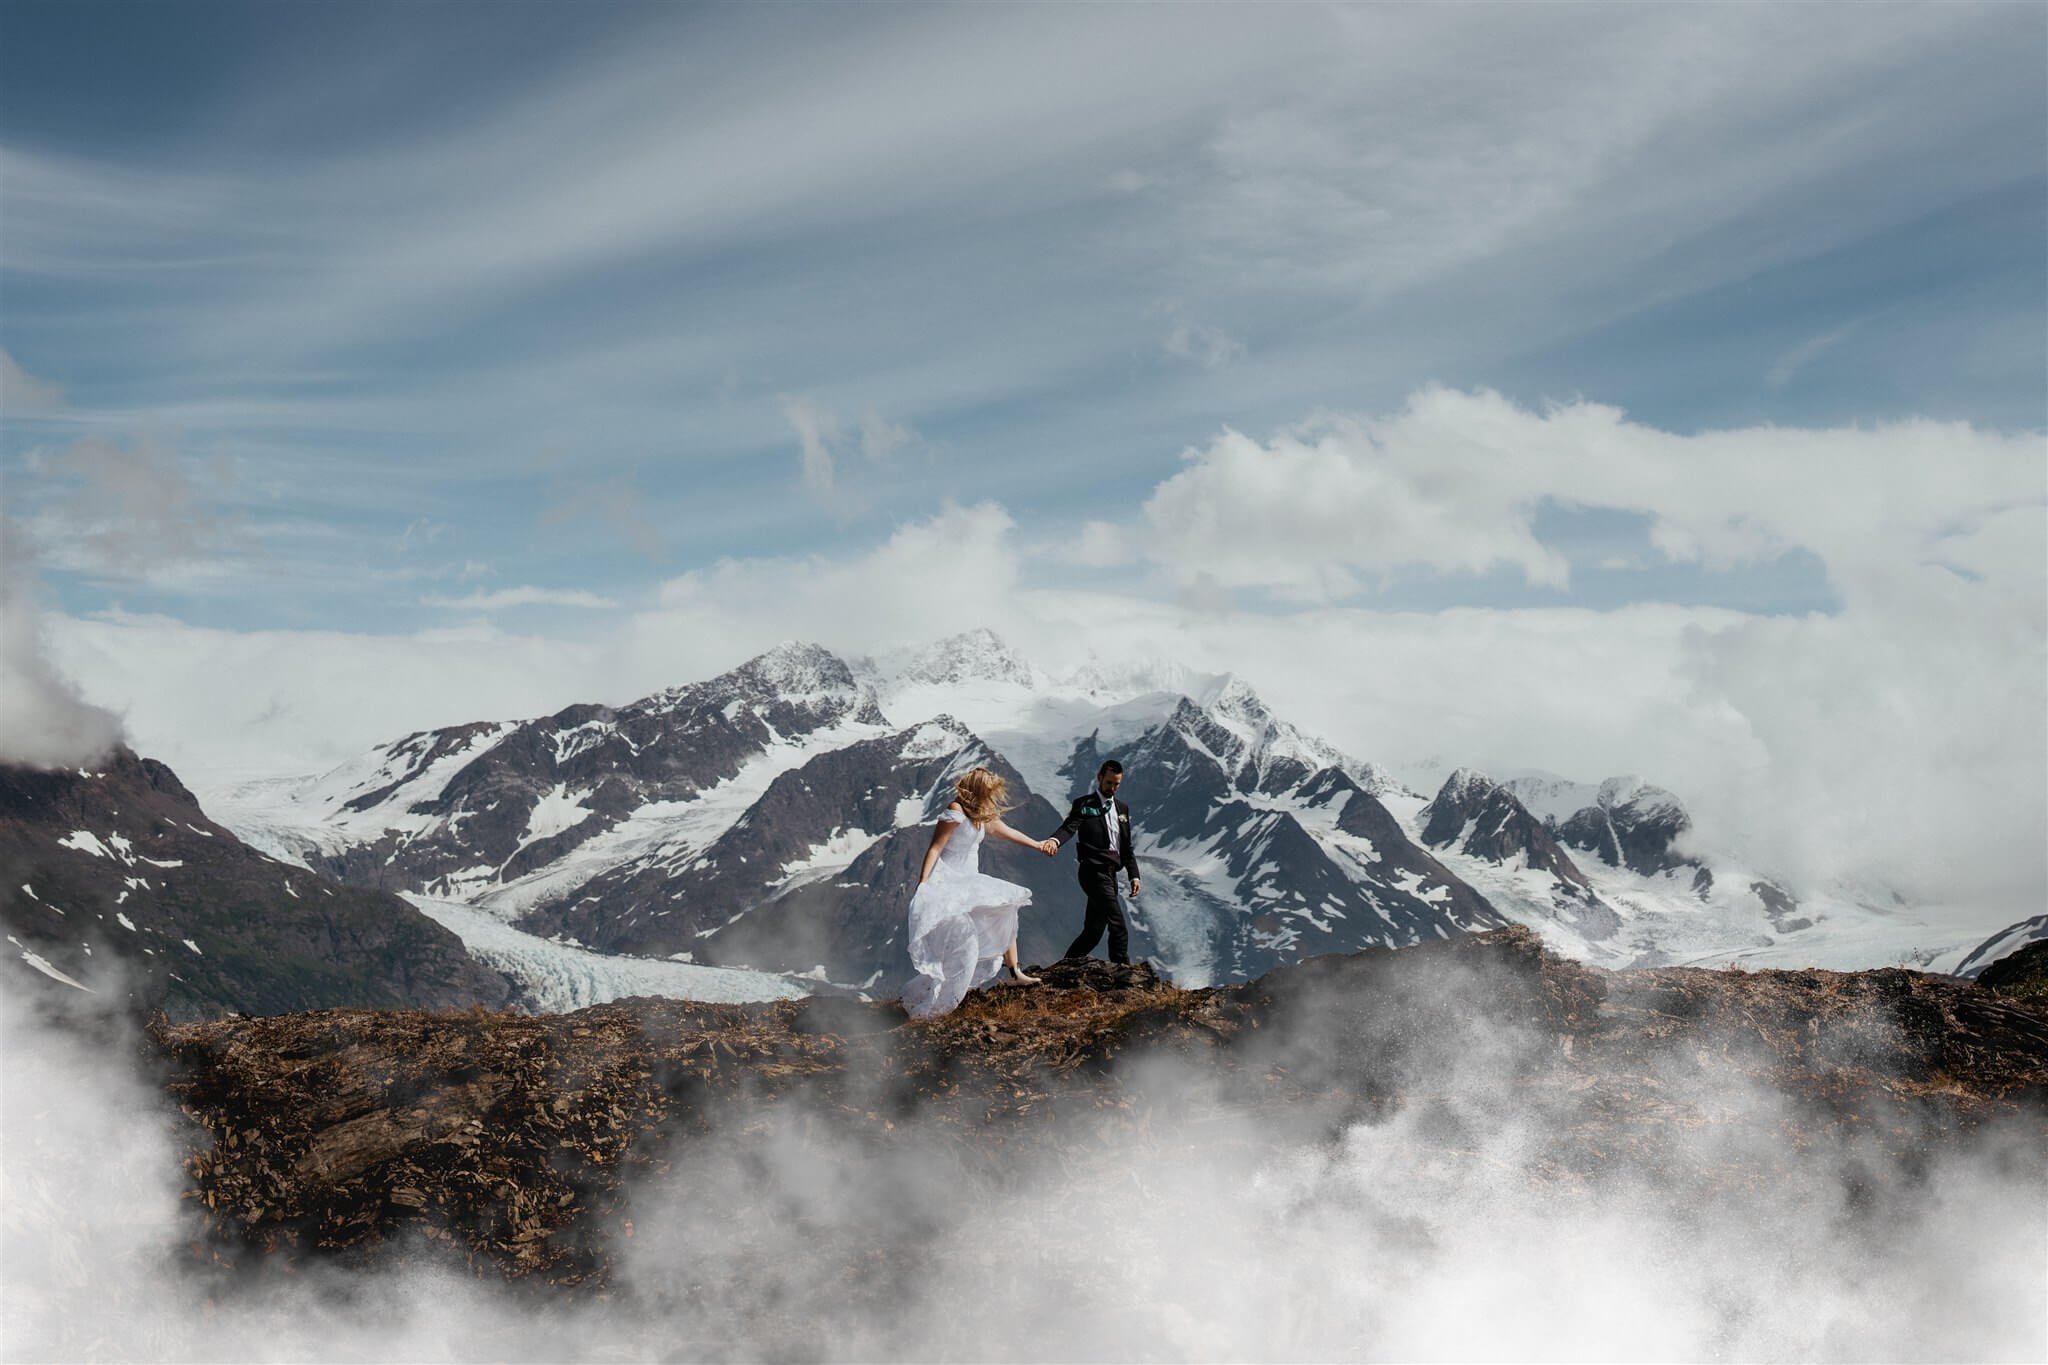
<point x="816" y="430"/>
<point x="507" y="599"/>
<point x="822" y="438"/>
<point x="1209" y="347"/>
<point x="1788" y="365"/>
<point x="379" y="280"/>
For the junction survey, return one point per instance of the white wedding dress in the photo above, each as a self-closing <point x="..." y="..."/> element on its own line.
<point x="961" y="923"/>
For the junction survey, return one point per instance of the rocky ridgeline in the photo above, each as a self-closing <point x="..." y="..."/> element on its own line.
<point x="522" y="1145"/>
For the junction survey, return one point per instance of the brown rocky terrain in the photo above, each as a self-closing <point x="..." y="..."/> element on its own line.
<point x="520" y="1146"/>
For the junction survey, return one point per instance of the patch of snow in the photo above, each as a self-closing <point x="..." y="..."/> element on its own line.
<point x="577" y="739"/>
<point x="838" y="850"/>
<point x="42" y="964"/>
<point x="555" y="812"/>
<point x="85" y="841"/>
<point x="193" y="946"/>
<point x="125" y="922"/>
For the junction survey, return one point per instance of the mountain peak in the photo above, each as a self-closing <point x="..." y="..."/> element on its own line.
<point x="1465" y="785"/>
<point x="808" y="682"/>
<point x="798" y="667"/>
<point x="1640" y="799"/>
<point x="973" y="655"/>
<point x="1231" y="722"/>
<point x="1235" y="700"/>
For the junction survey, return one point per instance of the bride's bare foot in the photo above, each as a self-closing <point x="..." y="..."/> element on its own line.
<point x="1021" y="979"/>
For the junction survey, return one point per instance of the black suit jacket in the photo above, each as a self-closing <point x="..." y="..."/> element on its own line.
<point x="1085" y="823"/>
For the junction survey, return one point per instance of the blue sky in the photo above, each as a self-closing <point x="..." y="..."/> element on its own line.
<point x="326" y="314"/>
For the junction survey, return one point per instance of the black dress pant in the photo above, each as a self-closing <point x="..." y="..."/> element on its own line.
<point x="1105" y="911"/>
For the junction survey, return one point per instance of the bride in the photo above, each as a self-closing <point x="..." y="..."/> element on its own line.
<point x="963" y="924"/>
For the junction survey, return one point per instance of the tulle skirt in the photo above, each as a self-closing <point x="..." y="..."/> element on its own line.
<point x="961" y="924"/>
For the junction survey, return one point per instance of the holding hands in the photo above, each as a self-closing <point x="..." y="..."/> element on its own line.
<point x="1048" y="846"/>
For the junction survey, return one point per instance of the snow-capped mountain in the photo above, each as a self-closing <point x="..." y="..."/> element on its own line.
<point x="772" y="818"/>
<point x="482" y="805"/>
<point x="2003" y="944"/>
<point x="1607" y="872"/>
<point x="975" y="656"/>
<point x="1631" y="824"/>
<point x="120" y="886"/>
<point x="1266" y="846"/>
<point x="1483" y="821"/>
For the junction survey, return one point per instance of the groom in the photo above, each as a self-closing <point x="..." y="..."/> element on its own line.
<point x="1104" y="826"/>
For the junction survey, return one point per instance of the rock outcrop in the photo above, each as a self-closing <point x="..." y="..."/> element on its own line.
<point x="520" y="1145"/>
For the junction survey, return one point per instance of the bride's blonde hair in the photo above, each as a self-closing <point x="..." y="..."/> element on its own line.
<point x="980" y="794"/>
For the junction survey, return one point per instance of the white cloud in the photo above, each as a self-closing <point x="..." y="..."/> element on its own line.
<point x="935" y="577"/>
<point x="1787" y="366"/>
<point x="43" y="721"/>
<point x="821" y="437"/>
<point x="1317" y="512"/>
<point x="1452" y="483"/>
<point x="1100" y="545"/>
<point x="21" y="392"/>
<point x="244" y="702"/>
<point x="501" y="599"/>
<point x="816" y="429"/>
<point x="1210" y="347"/>
<point x="880" y="438"/>
<point x="420" y="531"/>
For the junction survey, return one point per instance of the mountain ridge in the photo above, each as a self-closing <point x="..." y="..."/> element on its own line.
<point x="121" y="886"/>
<point x="1261" y="842"/>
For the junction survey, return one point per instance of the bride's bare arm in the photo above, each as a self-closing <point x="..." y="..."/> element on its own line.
<point x="1003" y="831"/>
<point x="941" y="832"/>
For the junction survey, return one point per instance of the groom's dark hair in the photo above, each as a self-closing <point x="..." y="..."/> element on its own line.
<point x="1110" y="765"/>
